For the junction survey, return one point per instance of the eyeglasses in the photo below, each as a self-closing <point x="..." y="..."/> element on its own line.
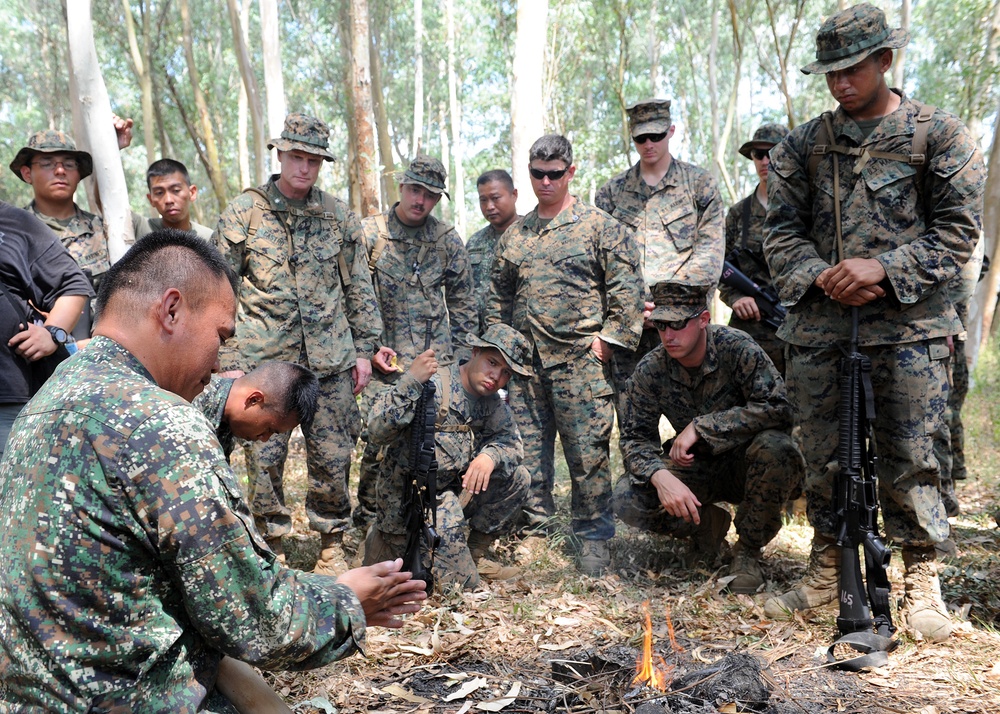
<point x="760" y="154"/>
<point x="550" y="175"/>
<point x="674" y="325"/>
<point x="51" y="164"/>
<point x="655" y="138"/>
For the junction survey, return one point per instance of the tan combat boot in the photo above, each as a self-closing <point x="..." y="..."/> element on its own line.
<point x="479" y="544"/>
<point x="748" y="575"/>
<point x="331" y="557"/>
<point x="925" y="611"/>
<point x="819" y="585"/>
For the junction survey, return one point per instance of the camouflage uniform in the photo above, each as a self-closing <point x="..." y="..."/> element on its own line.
<point x="212" y="403"/>
<point x="562" y="284"/>
<point x="143" y="226"/>
<point x="482" y="249"/>
<point x="295" y="305"/>
<point x="904" y="333"/>
<point x="744" y="453"/>
<point x="83" y="236"/>
<point x="129" y="563"/>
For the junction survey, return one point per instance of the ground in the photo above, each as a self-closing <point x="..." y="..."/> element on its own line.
<point x="554" y="640"/>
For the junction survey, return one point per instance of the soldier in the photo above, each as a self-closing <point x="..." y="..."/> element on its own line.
<point x="675" y="211"/>
<point x="727" y="403"/>
<point x="421" y="273"/>
<point x="498" y="202"/>
<point x="306" y="297"/>
<point x="745" y="246"/>
<point x="911" y="185"/>
<point x="171" y="193"/>
<point x="567" y="276"/>
<point x="481" y="485"/>
<point x="129" y="562"/>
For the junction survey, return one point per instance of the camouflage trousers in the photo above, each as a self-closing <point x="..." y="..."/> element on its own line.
<point x="575" y="400"/>
<point x="493" y="512"/>
<point x="329" y="441"/>
<point x="910" y="385"/>
<point x="623" y="364"/>
<point x="364" y="514"/>
<point x="757" y="478"/>
<point x="949" y="447"/>
<point x="763" y="335"/>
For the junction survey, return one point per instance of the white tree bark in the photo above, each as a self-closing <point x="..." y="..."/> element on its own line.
<point x="252" y="89"/>
<point x="900" y="58"/>
<point x="526" y="94"/>
<point x="455" y="110"/>
<point x="364" y="117"/>
<point x="418" y="76"/>
<point x="274" y="82"/>
<point x="243" y="109"/>
<point x="98" y="128"/>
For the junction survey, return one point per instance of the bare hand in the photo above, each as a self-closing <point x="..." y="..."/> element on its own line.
<point x="361" y="373"/>
<point x="385" y="592"/>
<point x="382" y="360"/>
<point x="477" y="478"/>
<point x="601" y="348"/>
<point x="424" y="366"/>
<point x="32" y="343"/>
<point x="123" y="131"/>
<point x="746" y="309"/>
<point x="647" y="310"/>
<point x="675" y="497"/>
<point x="853" y="282"/>
<point x="680" y="450"/>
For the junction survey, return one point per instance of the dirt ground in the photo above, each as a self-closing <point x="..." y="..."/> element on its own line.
<point x="555" y="641"/>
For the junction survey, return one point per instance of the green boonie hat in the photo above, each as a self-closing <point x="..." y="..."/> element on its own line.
<point x="766" y="136"/>
<point x="851" y="35"/>
<point x="304" y="133"/>
<point x="52" y="142"/>
<point x="428" y="172"/>
<point x="511" y="343"/>
<point x="650" y="116"/>
<point x="678" y="301"/>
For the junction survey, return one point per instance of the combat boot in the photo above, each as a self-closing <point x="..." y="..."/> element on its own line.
<point x="479" y="544"/>
<point x="595" y="557"/>
<point x="748" y="575"/>
<point x="925" y="611"/>
<point x="819" y="585"/>
<point x="275" y="545"/>
<point x="331" y="557"/>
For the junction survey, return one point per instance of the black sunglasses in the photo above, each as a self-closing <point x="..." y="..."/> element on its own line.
<point x="655" y="138"/>
<point x="674" y="325"/>
<point x="551" y="175"/>
<point x="760" y="154"/>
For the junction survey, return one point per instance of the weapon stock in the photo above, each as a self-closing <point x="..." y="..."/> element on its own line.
<point x="771" y="310"/>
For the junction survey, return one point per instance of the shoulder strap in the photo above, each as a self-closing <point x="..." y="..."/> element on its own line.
<point x="381" y="242"/>
<point x="329" y="214"/>
<point x="260" y="203"/>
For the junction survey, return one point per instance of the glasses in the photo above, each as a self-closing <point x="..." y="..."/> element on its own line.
<point x="51" y="164"/>
<point x="550" y="175"/>
<point x="655" y="138"/>
<point x="674" y="325"/>
<point x="760" y="154"/>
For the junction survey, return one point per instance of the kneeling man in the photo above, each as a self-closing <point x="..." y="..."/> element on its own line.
<point x="725" y="399"/>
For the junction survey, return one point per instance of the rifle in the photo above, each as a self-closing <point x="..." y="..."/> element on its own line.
<point x="420" y="491"/>
<point x="771" y="310"/>
<point x="856" y="505"/>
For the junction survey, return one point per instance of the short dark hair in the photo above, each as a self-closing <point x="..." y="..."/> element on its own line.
<point x="552" y="147"/>
<point x="161" y="260"/>
<point x="292" y="388"/>
<point x="165" y="167"/>
<point x="498" y="175"/>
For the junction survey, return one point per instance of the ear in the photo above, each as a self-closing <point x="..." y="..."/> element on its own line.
<point x="194" y="191"/>
<point x="149" y="197"/>
<point x="514" y="193"/>
<point x="168" y="310"/>
<point x="253" y="399"/>
<point x="26" y="173"/>
<point x="571" y="172"/>
<point x="704" y="318"/>
<point x="885" y="61"/>
<point x="670" y="132"/>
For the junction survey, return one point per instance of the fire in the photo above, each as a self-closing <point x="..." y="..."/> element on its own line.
<point x="652" y="674"/>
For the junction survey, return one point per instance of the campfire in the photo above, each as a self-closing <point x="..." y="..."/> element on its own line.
<point x="650" y="671"/>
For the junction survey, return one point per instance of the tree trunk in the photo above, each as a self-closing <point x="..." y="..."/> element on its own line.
<point x="98" y="128"/>
<point x="361" y="100"/>
<point x="653" y="39"/>
<point x="991" y="234"/>
<point x="274" y="82"/>
<point x="458" y="177"/>
<point x="242" y="111"/>
<point x="900" y="54"/>
<point x="783" y="53"/>
<point x="445" y="145"/>
<point x="418" y="76"/>
<point x="142" y="73"/>
<point x="526" y="93"/>
<point x="390" y="189"/>
<point x="252" y="90"/>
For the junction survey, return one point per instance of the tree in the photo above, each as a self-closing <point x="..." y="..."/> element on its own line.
<point x="361" y="100"/>
<point x="274" y="82"/>
<point x="418" y="76"/>
<point x="455" y="113"/>
<point x="252" y="90"/>
<point x="526" y="92"/>
<point x="142" y="73"/>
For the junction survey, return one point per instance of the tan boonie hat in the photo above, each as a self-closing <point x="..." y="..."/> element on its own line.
<point x="678" y="301"/>
<point x="850" y="36"/>
<point x="52" y="142"/>
<point x="304" y="133"/>
<point x="650" y="116"/>
<point x="511" y="343"/>
<point x="428" y="172"/>
<point x="766" y="136"/>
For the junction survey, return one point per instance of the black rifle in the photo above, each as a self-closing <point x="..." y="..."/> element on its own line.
<point x="420" y="490"/>
<point x="856" y="505"/>
<point x="772" y="312"/>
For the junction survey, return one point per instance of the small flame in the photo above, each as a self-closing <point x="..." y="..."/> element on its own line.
<point x="652" y="674"/>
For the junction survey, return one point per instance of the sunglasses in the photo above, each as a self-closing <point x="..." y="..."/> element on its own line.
<point x="674" y="325"/>
<point x="760" y="154"/>
<point x="655" y="138"/>
<point x="550" y="175"/>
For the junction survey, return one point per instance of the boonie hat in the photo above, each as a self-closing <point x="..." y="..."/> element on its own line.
<point x="304" y="133"/>
<point x="850" y="35"/>
<point x="511" y="343"/>
<point x="52" y="142"/>
<point x="678" y="301"/>
<point x="766" y="136"/>
<point x="650" y="116"/>
<point x="428" y="172"/>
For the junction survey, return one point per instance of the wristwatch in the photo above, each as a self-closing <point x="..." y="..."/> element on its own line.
<point x="60" y="335"/>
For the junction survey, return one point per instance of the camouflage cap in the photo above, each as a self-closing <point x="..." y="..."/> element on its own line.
<point x="766" y="136"/>
<point x="52" y="142"/>
<point x="650" y="116"/>
<point x="428" y="172"/>
<point x="678" y="301"/>
<point x="511" y="343"/>
<point x="850" y="36"/>
<point x="304" y="133"/>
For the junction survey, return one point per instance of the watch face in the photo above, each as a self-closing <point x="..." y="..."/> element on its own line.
<point x="58" y="334"/>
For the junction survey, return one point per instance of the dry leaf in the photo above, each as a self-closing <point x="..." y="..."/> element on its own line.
<point x="405" y="694"/>
<point x="496" y="705"/>
<point x="559" y="647"/>
<point x="567" y="621"/>
<point x="417" y="650"/>
<point x="728" y="708"/>
<point x="465" y="707"/>
<point x="466" y="689"/>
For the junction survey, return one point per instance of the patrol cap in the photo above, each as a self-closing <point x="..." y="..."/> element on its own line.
<point x="850" y="36"/>
<point x="650" y="116"/>
<point x="678" y="301"/>
<point x="766" y="136"/>
<point x="428" y="172"/>
<point x="304" y="133"/>
<point x="52" y="142"/>
<point x="511" y="343"/>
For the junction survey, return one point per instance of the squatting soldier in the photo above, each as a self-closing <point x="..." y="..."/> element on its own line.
<point x="305" y="296"/>
<point x="420" y="269"/>
<point x="911" y="185"/>
<point x="675" y="211"/>
<point x="481" y="485"/>
<point x="727" y="403"/>
<point x="171" y="193"/>
<point x="567" y="276"/>
<point x="498" y="203"/>
<point x="745" y="236"/>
